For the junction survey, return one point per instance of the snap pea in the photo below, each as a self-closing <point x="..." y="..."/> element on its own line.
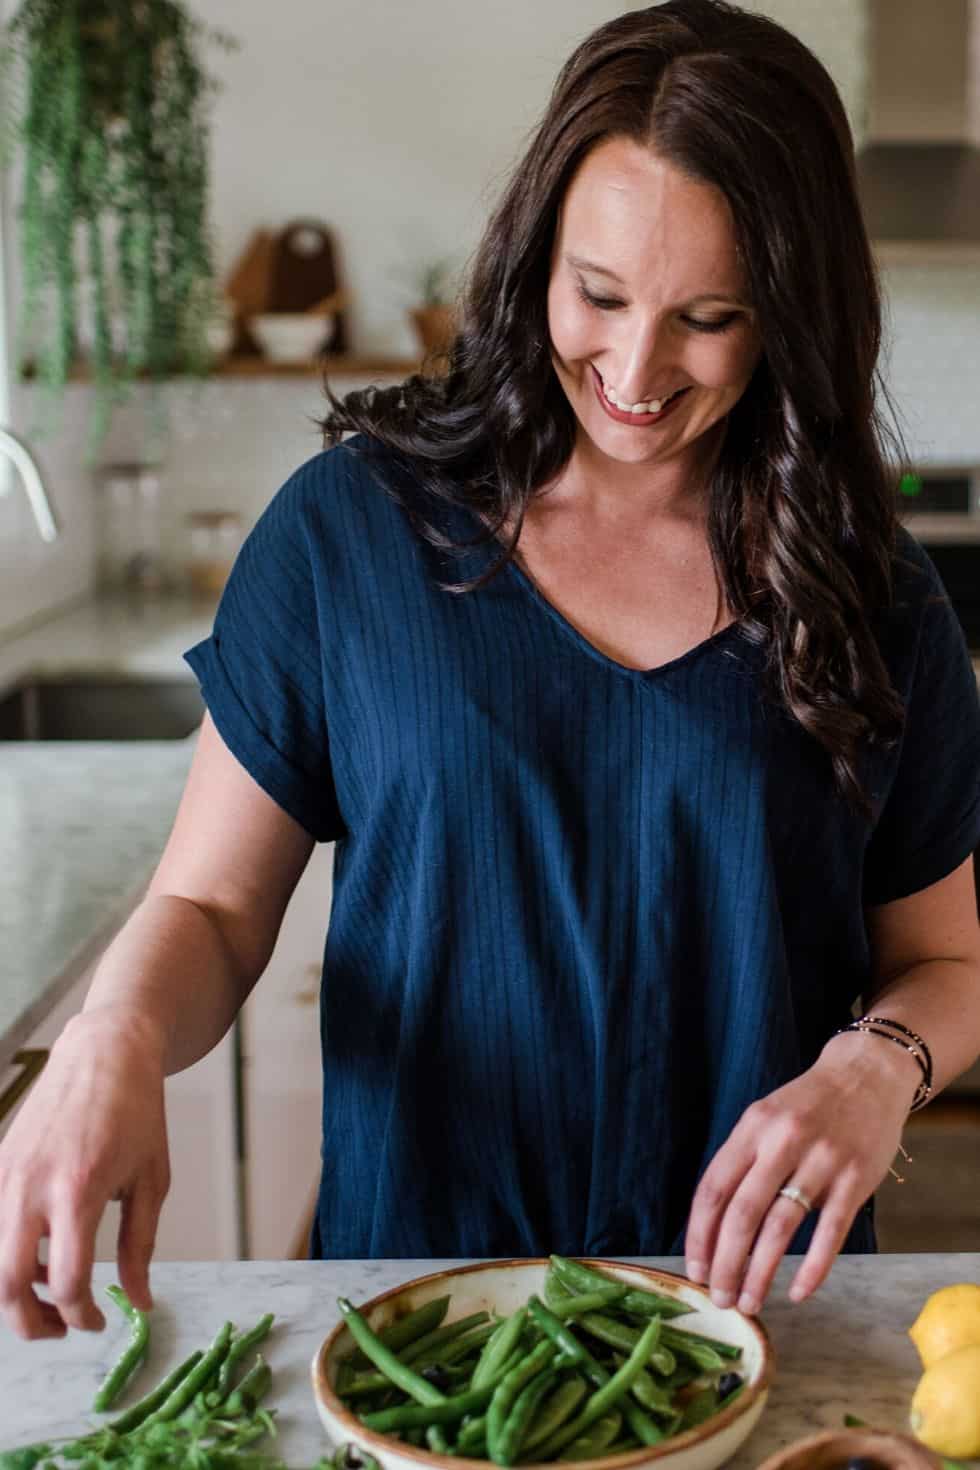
<point x="382" y="1357"/>
<point x="596" y="1440"/>
<point x="589" y="1301"/>
<point x="682" y="1341"/>
<point x="556" y="1409"/>
<point x="499" y="1347"/>
<point x="652" y="1395"/>
<point x="138" y="1413"/>
<point x="199" y="1375"/>
<point x="239" y="1348"/>
<point x="639" y="1301"/>
<point x="507" y="1391"/>
<point x="132" y="1355"/>
<point x="404" y="1330"/>
<point x="621" y="1335"/>
<point x="697" y="1409"/>
<point x="610" y="1395"/>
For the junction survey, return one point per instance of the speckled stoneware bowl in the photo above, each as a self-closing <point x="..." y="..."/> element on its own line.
<point x="503" y="1286"/>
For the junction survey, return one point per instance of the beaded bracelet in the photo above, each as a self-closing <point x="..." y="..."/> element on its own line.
<point x="915" y="1046"/>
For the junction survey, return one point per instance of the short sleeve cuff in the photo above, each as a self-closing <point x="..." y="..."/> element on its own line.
<point x="298" y="793"/>
<point x="931" y="863"/>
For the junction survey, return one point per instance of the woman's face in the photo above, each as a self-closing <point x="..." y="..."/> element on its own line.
<point x="646" y="299"/>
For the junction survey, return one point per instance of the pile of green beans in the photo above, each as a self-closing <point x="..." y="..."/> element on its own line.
<point x="596" y="1368"/>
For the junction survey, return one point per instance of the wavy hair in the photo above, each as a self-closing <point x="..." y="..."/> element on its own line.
<point x="801" y="508"/>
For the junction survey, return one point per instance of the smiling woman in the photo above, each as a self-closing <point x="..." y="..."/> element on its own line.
<point x="602" y="663"/>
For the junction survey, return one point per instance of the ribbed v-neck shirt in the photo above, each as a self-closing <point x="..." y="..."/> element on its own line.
<point x="582" y="915"/>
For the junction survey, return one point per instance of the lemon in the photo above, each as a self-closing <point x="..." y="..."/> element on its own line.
<point x="949" y="1320"/>
<point x="945" y="1411"/>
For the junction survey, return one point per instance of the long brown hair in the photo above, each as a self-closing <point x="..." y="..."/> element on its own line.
<point x="802" y="510"/>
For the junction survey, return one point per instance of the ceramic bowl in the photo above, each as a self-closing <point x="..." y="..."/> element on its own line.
<point x="503" y="1286"/>
<point x="290" y="336"/>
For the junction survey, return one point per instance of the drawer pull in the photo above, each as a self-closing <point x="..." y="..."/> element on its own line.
<point x="32" y="1061"/>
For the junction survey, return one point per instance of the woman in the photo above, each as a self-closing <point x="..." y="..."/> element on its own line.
<point x="600" y="661"/>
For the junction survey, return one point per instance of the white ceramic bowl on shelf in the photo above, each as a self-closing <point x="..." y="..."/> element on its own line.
<point x="502" y="1286"/>
<point x="290" y="336"/>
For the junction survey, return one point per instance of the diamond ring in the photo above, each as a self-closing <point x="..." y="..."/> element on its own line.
<point x="790" y="1191"/>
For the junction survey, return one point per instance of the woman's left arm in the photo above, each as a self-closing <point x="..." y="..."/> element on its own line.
<point x="834" y="1131"/>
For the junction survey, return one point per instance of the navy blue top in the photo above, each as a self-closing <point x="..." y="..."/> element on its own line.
<point x="582" y="915"/>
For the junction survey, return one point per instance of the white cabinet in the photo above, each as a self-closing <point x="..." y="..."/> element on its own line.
<point x="281" y="1073"/>
<point x="200" y="1216"/>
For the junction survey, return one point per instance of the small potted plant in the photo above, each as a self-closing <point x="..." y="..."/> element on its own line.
<point x="115" y="244"/>
<point x="434" y="319"/>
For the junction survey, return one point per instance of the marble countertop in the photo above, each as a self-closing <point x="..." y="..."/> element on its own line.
<point x="83" y="823"/>
<point x="843" y="1351"/>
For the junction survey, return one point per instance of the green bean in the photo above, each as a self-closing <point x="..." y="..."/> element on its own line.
<point x="252" y="1389"/>
<point x="435" y="1438"/>
<point x="238" y="1349"/>
<point x="195" y="1379"/>
<point x="556" y="1330"/>
<point x="434" y="1347"/>
<point x="613" y="1393"/>
<point x="652" y="1395"/>
<point x="563" y="1402"/>
<point x="639" y="1301"/>
<point x="472" y="1433"/>
<point x="507" y="1391"/>
<point x="602" y="1434"/>
<point x="499" y="1347"/>
<point x="519" y="1420"/>
<point x="131" y="1356"/>
<point x="629" y="1442"/>
<point x="138" y="1413"/>
<point x="403" y="1377"/>
<point x="404" y="1330"/>
<point x="411" y="1416"/>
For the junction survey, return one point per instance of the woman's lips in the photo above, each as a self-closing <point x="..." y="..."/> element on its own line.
<point x="623" y="416"/>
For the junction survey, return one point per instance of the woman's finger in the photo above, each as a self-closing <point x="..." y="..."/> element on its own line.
<point x="836" y="1218"/>
<point x="782" y="1220"/>
<point x="712" y="1197"/>
<point x="26" y="1313"/>
<point x="70" y="1257"/>
<point x="138" y="1223"/>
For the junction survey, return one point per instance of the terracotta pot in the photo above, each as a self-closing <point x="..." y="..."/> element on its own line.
<point x="434" y="326"/>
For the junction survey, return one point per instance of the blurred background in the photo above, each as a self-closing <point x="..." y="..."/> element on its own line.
<point x="354" y="149"/>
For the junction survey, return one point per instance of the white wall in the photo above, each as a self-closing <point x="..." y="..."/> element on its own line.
<point x="396" y="124"/>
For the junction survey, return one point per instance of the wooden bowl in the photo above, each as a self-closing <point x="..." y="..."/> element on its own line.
<point x="504" y="1286"/>
<point x="832" y="1450"/>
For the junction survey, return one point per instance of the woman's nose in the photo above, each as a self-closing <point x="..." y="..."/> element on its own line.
<point x="642" y="362"/>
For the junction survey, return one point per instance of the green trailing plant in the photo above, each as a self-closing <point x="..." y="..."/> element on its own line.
<point x="109" y="110"/>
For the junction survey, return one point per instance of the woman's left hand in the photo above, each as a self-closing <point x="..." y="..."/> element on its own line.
<point x="832" y="1134"/>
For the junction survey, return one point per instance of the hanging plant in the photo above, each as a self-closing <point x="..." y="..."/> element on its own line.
<point x="111" y="120"/>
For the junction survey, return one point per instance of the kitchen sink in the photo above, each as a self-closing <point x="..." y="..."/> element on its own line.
<point x="100" y="707"/>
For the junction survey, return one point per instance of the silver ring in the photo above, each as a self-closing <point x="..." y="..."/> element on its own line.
<point x="790" y="1191"/>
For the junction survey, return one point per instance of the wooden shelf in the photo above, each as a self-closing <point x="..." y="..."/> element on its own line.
<point x="258" y="367"/>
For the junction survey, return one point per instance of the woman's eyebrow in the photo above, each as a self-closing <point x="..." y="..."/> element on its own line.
<point x="581" y="264"/>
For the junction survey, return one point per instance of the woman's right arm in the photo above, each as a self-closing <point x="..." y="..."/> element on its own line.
<point x="164" y="993"/>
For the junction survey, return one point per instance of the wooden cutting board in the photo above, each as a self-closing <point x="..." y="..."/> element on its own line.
<point x="303" y="271"/>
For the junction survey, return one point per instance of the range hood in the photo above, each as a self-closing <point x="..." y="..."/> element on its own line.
<point x="919" y="166"/>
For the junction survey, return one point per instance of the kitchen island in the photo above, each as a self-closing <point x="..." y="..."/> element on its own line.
<point x="846" y="1350"/>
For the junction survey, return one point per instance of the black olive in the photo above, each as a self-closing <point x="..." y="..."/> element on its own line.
<point x="863" y="1462"/>
<point x="352" y="1460"/>
<point x="437" y="1376"/>
<point x="727" y="1383"/>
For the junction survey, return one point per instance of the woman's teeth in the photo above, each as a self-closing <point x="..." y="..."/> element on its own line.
<point x="654" y="405"/>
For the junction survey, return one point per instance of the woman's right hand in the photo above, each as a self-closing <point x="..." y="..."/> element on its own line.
<point x="91" y="1130"/>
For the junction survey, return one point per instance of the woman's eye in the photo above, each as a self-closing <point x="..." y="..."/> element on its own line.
<point x="603" y="303"/>
<point x="721" y="324"/>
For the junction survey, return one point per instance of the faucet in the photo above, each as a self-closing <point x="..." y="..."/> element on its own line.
<point x="21" y="456"/>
